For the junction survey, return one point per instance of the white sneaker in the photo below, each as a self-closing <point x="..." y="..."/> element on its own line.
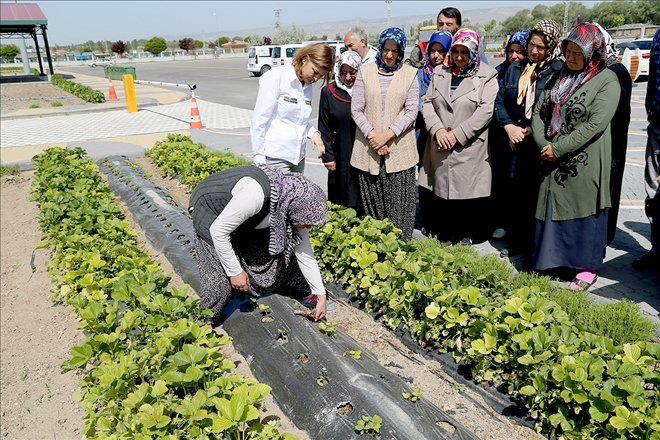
<point x="499" y="233"/>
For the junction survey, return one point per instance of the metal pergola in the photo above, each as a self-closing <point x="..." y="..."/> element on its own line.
<point x="26" y="20"/>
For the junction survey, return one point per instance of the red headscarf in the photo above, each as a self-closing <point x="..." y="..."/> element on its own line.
<point x="592" y="43"/>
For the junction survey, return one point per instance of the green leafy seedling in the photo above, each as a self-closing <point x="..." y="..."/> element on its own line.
<point x="357" y="354"/>
<point x="302" y="357"/>
<point x="328" y="328"/>
<point x="414" y="396"/>
<point x="323" y="377"/>
<point x="263" y="307"/>
<point x="369" y="425"/>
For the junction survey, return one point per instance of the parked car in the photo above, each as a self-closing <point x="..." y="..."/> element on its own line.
<point x="259" y="59"/>
<point x="644" y="45"/>
<point x="102" y="63"/>
<point x="282" y="55"/>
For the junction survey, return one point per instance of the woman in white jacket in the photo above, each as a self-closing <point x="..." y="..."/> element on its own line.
<point x="280" y="123"/>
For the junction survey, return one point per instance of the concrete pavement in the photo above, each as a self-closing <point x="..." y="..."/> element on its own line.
<point x="108" y="129"/>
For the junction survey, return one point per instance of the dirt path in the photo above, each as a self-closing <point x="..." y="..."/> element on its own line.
<point x="35" y="335"/>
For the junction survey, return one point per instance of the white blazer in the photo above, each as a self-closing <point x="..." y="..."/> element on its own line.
<point x="280" y="122"/>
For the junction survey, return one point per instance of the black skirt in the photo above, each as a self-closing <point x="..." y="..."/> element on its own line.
<point x="576" y="244"/>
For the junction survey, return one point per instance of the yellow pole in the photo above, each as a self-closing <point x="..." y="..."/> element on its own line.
<point x="129" y="91"/>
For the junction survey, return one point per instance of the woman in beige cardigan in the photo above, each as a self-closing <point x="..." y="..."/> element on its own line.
<point x="384" y="108"/>
<point x="455" y="176"/>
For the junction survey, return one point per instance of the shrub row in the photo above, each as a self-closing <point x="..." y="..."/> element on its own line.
<point x="178" y="156"/>
<point x="590" y="374"/>
<point x="150" y="368"/>
<point x="85" y="93"/>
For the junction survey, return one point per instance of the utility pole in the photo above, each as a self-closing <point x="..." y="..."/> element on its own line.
<point x="388" y="12"/>
<point x="564" y="33"/>
<point x="277" y="18"/>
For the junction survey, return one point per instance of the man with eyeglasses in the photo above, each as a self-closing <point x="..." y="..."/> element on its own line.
<point x="356" y="40"/>
<point x="449" y="19"/>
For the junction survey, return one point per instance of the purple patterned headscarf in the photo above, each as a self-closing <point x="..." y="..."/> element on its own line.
<point x="469" y="39"/>
<point x="294" y="200"/>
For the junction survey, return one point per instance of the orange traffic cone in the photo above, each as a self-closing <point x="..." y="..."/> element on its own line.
<point x="112" y="94"/>
<point x="195" y="120"/>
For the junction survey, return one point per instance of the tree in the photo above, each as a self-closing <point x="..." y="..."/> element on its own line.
<point x="412" y="32"/>
<point x="237" y="38"/>
<point x="100" y="46"/>
<point x="286" y="35"/>
<point x="222" y="40"/>
<point x="118" y="47"/>
<point x="155" y="45"/>
<point x="313" y="38"/>
<point x="9" y="51"/>
<point x="134" y="44"/>
<point x="254" y="39"/>
<point x="267" y="41"/>
<point x="211" y="45"/>
<point x="186" y="44"/>
<point x="199" y="44"/>
<point x="520" y="20"/>
<point x="488" y="27"/>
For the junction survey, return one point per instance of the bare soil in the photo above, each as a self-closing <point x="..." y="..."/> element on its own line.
<point x="43" y="95"/>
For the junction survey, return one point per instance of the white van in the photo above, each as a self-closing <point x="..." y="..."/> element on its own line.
<point x="259" y="59"/>
<point x="336" y="45"/>
<point x="283" y="54"/>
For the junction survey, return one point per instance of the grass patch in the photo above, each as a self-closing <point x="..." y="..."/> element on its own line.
<point x="56" y="104"/>
<point x="34" y="105"/>
<point x="9" y="170"/>
<point x="622" y="321"/>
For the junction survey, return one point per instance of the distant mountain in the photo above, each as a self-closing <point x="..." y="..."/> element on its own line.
<point x="371" y="25"/>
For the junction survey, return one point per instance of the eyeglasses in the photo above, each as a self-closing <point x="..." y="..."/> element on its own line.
<point x="345" y="73"/>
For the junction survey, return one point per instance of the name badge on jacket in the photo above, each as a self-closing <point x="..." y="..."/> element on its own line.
<point x="290" y="99"/>
<point x="308" y="102"/>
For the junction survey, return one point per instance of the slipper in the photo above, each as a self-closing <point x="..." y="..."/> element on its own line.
<point x="310" y="301"/>
<point x="584" y="280"/>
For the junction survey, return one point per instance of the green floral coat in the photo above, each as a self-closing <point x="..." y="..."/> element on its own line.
<point x="580" y="180"/>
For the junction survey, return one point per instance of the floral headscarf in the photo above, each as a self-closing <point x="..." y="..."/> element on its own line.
<point x="592" y="44"/>
<point x="442" y="37"/>
<point x="612" y="51"/>
<point x="518" y="37"/>
<point x="527" y="82"/>
<point x="349" y="58"/>
<point x="294" y="200"/>
<point x="469" y="39"/>
<point x="399" y="37"/>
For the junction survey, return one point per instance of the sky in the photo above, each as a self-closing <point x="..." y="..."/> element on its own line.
<point x="71" y="22"/>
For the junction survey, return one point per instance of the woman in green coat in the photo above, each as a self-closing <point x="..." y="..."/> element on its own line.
<point x="571" y="127"/>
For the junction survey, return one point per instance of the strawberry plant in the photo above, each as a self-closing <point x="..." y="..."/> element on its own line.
<point x="579" y="371"/>
<point x="149" y="366"/>
<point x="369" y="425"/>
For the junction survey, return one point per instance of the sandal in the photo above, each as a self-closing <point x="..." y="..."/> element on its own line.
<point x="584" y="280"/>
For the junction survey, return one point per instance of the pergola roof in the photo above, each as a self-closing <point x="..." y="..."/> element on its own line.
<point x="21" y="17"/>
<point x="25" y="20"/>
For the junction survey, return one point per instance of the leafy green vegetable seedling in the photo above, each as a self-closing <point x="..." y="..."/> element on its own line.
<point x="414" y="396"/>
<point x="369" y="425"/>
<point x="328" y="328"/>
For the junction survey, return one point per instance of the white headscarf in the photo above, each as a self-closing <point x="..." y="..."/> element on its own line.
<point x="612" y="52"/>
<point x="349" y="58"/>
